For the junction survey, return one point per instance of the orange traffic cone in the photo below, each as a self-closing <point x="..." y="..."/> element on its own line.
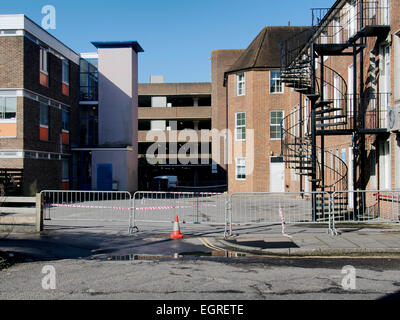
<point x="176" y="233"/>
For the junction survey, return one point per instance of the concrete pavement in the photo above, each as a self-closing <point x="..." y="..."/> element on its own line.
<point x="306" y="240"/>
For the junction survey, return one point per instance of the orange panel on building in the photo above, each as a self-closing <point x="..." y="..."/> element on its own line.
<point x="65" y="137"/>
<point x="65" y="89"/>
<point x="44" y="79"/>
<point x="44" y="134"/>
<point x="8" y="130"/>
<point x="65" y="185"/>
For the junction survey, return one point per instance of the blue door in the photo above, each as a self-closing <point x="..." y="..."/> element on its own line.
<point x="104" y="177"/>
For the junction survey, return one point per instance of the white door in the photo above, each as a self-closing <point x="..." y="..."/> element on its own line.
<point x="384" y="166"/>
<point x="277" y="175"/>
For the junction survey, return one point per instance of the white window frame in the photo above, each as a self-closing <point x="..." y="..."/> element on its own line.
<point x="336" y="30"/>
<point x="241" y="127"/>
<point x="10" y="120"/>
<point x="396" y="75"/>
<point x="275" y="81"/>
<point x="385" y="83"/>
<point x="385" y="179"/>
<point x="240" y="163"/>
<point x="275" y="125"/>
<point x="385" y="14"/>
<point x="241" y="84"/>
<point x="44" y="61"/>
<point x="350" y="91"/>
<point x="352" y="19"/>
<point x="336" y="97"/>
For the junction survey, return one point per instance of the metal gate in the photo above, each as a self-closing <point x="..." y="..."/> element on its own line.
<point x="91" y="206"/>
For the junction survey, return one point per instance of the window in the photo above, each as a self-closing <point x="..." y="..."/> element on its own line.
<point x="44" y="60"/>
<point x="336" y="97"/>
<point x="240" y="129"/>
<point x="352" y="19"/>
<point x="44" y="115"/>
<point x="240" y="169"/>
<point x="276" y="82"/>
<point x="65" y="120"/>
<point x="88" y="79"/>
<point x="65" y="71"/>
<point x="276" y="118"/>
<point x="241" y="84"/>
<point x="336" y="30"/>
<point x="324" y="37"/>
<point x="350" y="90"/>
<point x="8" y="108"/>
<point x="65" y="170"/>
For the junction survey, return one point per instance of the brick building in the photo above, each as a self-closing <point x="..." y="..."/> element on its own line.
<point x="67" y="121"/>
<point x="170" y="113"/>
<point x="255" y="103"/>
<point x="39" y="79"/>
<point x="346" y="70"/>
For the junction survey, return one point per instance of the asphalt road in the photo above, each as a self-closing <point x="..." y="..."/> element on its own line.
<point x="204" y="278"/>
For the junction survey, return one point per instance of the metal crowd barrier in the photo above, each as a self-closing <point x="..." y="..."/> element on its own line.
<point x="190" y="207"/>
<point x="268" y="208"/>
<point x="369" y="206"/>
<point x="104" y="206"/>
<point x="221" y="209"/>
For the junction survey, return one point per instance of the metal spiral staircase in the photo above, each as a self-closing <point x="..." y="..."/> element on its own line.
<point x="325" y="170"/>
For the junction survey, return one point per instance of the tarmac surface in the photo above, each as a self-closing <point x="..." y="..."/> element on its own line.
<point x="112" y="241"/>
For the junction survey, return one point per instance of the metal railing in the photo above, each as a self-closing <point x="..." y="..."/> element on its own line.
<point x="190" y="207"/>
<point x="231" y="211"/>
<point x="266" y="208"/>
<point x="373" y="206"/>
<point x="76" y="206"/>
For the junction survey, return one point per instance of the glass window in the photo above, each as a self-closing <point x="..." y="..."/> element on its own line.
<point x="65" y="71"/>
<point x="84" y="66"/>
<point x="276" y="85"/>
<point x="65" y="170"/>
<point x="276" y="124"/>
<point x="65" y="120"/>
<point x="241" y="169"/>
<point x="241" y="84"/>
<point x="43" y="60"/>
<point x="88" y="80"/>
<point x="337" y="30"/>
<point x="44" y="114"/>
<point x="240" y="126"/>
<point x="8" y="108"/>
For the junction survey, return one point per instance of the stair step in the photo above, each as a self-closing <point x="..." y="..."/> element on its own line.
<point x="303" y="168"/>
<point x="328" y="110"/>
<point x="323" y="103"/>
<point x="326" y="125"/>
<point x="329" y="118"/>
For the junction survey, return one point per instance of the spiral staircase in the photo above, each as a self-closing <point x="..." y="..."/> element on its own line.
<point x="325" y="170"/>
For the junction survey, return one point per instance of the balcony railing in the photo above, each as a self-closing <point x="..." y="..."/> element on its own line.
<point x="374" y="108"/>
<point x="343" y="24"/>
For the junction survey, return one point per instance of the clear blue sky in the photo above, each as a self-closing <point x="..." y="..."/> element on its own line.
<point x="177" y="35"/>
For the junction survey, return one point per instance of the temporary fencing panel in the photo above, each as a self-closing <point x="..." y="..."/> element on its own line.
<point x="366" y="206"/>
<point x="106" y="206"/>
<point x="190" y="207"/>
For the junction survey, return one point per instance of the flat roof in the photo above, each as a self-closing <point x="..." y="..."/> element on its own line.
<point x="22" y="22"/>
<point x="118" y="44"/>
